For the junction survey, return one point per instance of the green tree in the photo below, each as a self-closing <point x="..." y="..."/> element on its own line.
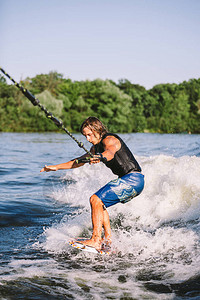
<point x="123" y="106"/>
<point x="43" y="82"/>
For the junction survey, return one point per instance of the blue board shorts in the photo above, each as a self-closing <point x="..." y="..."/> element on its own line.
<point x="122" y="189"/>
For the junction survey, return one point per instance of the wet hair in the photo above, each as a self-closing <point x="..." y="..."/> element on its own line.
<point x="95" y="125"/>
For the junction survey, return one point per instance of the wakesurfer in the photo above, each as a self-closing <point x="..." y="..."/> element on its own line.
<point x="114" y="153"/>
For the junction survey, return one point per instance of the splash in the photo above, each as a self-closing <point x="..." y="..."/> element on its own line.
<point x="158" y="228"/>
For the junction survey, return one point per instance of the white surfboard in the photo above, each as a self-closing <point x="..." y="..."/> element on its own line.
<point x="78" y="245"/>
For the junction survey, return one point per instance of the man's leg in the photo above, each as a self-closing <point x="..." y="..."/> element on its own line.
<point x="106" y="225"/>
<point x="97" y="222"/>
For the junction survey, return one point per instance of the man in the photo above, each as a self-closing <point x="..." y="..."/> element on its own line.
<point x="113" y="152"/>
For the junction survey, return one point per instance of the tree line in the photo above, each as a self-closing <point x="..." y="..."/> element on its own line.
<point x="123" y="106"/>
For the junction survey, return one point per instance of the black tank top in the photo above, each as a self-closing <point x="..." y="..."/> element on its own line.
<point x="123" y="161"/>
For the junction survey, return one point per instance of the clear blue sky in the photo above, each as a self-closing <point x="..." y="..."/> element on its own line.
<point x="145" y="41"/>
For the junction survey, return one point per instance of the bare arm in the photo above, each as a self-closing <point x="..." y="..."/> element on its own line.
<point x="111" y="146"/>
<point x="68" y="165"/>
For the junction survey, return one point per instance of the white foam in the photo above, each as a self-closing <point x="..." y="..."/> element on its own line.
<point x="27" y="268"/>
<point x="148" y="223"/>
<point x="171" y="192"/>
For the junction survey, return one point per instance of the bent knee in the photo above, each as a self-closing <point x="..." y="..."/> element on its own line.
<point x="94" y="199"/>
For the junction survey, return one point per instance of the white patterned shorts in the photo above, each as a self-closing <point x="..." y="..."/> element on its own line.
<point x="122" y="189"/>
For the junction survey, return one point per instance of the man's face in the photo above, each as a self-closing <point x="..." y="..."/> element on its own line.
<point x="91" y="136"/>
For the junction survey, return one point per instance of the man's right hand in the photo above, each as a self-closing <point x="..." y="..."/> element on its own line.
<point x="48" y="168"/>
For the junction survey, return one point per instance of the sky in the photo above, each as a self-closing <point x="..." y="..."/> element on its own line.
<point x="147" y="42"/>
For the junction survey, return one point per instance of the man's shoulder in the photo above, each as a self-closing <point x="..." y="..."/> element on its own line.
<point x="110" y="135"/>
<point x="111" y="139"/>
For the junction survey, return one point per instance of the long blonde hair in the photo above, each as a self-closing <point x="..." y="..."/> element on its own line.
<point x="94" y="124"/>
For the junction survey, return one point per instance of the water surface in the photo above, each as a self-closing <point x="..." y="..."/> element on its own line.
<point x="156" y="234"/>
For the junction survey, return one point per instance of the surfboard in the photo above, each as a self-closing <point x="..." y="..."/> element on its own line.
<point x="105" y="250"/>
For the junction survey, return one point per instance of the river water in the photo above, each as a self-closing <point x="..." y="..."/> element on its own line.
<point x="156" y="234"/>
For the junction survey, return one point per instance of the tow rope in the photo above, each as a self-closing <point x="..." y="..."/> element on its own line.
<point x="48" y="114"/>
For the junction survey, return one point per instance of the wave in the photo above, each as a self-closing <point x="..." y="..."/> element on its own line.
<point x="156" y="235"/>
<point x="171" y="192"/>
<point x="159" y="226"/>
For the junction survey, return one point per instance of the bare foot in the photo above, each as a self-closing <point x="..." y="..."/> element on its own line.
<point x="91" y="243"/>
<point x="106" y="242"/>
